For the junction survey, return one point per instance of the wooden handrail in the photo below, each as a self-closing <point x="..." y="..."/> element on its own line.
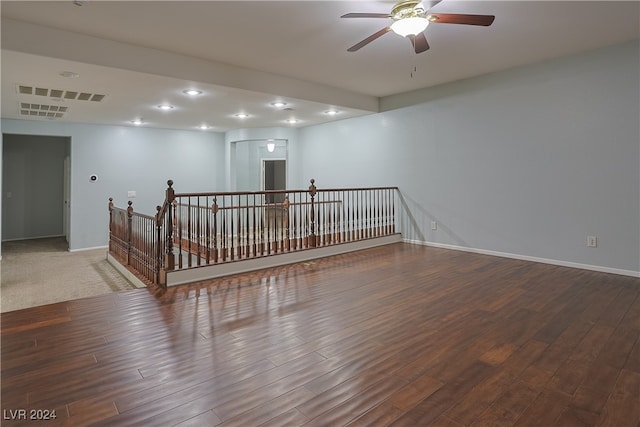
<point x="249" y="193"/>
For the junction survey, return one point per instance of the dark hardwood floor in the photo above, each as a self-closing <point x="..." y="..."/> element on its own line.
<point x="400" y="335"/>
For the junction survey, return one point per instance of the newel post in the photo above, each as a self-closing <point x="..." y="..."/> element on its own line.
<point x="110" y="220"/>
<point x="312" y="216"/>
<point x="170" y="261"/>
<point x="129" y="233"/>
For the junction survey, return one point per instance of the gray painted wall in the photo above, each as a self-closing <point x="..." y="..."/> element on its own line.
<point x="127" y="159"/>
<point x="525" y="162"/>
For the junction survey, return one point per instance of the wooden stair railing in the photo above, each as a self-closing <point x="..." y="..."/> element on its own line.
<point x="195" y="229"/>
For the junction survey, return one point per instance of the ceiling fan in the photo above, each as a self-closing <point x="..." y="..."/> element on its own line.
<point x="411" y="19"/>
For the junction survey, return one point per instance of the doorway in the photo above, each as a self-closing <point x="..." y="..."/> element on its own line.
<point x="274" y="177"/>
<point x="34" y="179"/>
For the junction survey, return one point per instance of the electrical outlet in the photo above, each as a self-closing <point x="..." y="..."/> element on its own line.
<point x="131" y="193"/>
<point x="434" y="225"/>
<point x="592" y="241"/>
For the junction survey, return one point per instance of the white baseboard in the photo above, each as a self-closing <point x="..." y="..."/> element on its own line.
<point x="126" y="273"/>
<point x="18" y="239"/>
<point x="88" y="249"/>
<point x="178" y="277"/>
<point x="528" y="258"/>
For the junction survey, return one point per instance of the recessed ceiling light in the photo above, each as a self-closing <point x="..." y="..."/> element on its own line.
<point x="204" y="127"/>
<point x="279" y="104"/>
<point x="70" y="74"/>
<point x="165" y="107"/>
<point x="137" y="122"/>
<point x="292" y="121"/>
<point x="331" y="112"/>
<point x="192" y="92"/>
<point x="241" y="115"/>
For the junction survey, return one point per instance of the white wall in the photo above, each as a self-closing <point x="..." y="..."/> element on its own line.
<point x="128" y="159"/>
<point x="526" y="162"/>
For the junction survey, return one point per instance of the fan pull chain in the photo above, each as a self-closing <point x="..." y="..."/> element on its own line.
<point x="413" y="63"/>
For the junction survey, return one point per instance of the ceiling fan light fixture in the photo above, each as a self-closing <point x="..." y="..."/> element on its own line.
<point x="410" y="26"/>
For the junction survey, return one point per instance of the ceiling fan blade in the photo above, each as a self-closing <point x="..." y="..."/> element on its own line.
<point x="429" y="4"/>
<point x="366" y="15"/>
<point x="369" y="39"/>
<point x="455" y="18"/>
<point x="419" y="43"/>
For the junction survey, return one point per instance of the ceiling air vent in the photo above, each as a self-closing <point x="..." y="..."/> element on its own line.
<point x="60" y="94"/>
<point x="43" y="111"/>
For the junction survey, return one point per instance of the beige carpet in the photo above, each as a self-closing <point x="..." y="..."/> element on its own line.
<point x="42" y="271"/>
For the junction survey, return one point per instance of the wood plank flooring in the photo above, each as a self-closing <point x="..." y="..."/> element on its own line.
<point x="399" y="335"/>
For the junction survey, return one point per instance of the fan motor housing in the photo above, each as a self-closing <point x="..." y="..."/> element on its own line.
<point x="407" y="9"/>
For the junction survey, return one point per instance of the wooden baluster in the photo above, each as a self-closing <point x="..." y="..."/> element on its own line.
<point x="239" y="227"/>
<point x="380" y="195"/>
<point x="354" y="213"/>
<point x="129" y="218"/>
<point x="158" y="245"/>
<point x="254" y="243"/>
<point x="340" y="209"/>
<point x="319" y="219"/>
<point x="336" y="224"/>
<point x="232" y="247"/>
<point x="223" y="230"/>
<point x="393" y="212"/>
<point x="376" y="214"/>
<point x="207" y="232"/>
<point x="262" y="233"/>
<point x="110" y="224"/>
<point x="366" y="196"/>
<point x="294" y="223"/>
<point x="176" y="225"/>
<point x="362" y="213"/>
<point x="385" y="198"/>
<point x="312" y="233"/>
<point x="266" y="225"/>
<point x="372" y="204"/>
<point x="214" y="212"/>
<point x="302" y="223"/>
<point x="247" y="230"/>
<point x="198" y="228"/>
<point x="170" y="198"/>
<point x="354" y="205"/>
<point x="273" y="220"/>
<point x="287" y="224"/>
<point x="189" y="233"/>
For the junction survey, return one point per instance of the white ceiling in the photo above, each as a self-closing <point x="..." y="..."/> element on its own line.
<point x="244" y="55"/>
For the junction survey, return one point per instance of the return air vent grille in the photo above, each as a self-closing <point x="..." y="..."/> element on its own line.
<point x="42" y="110"/>
<point x="62" y="94"/>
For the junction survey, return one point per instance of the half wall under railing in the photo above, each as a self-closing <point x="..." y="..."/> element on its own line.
<point x="194" y="236"/>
